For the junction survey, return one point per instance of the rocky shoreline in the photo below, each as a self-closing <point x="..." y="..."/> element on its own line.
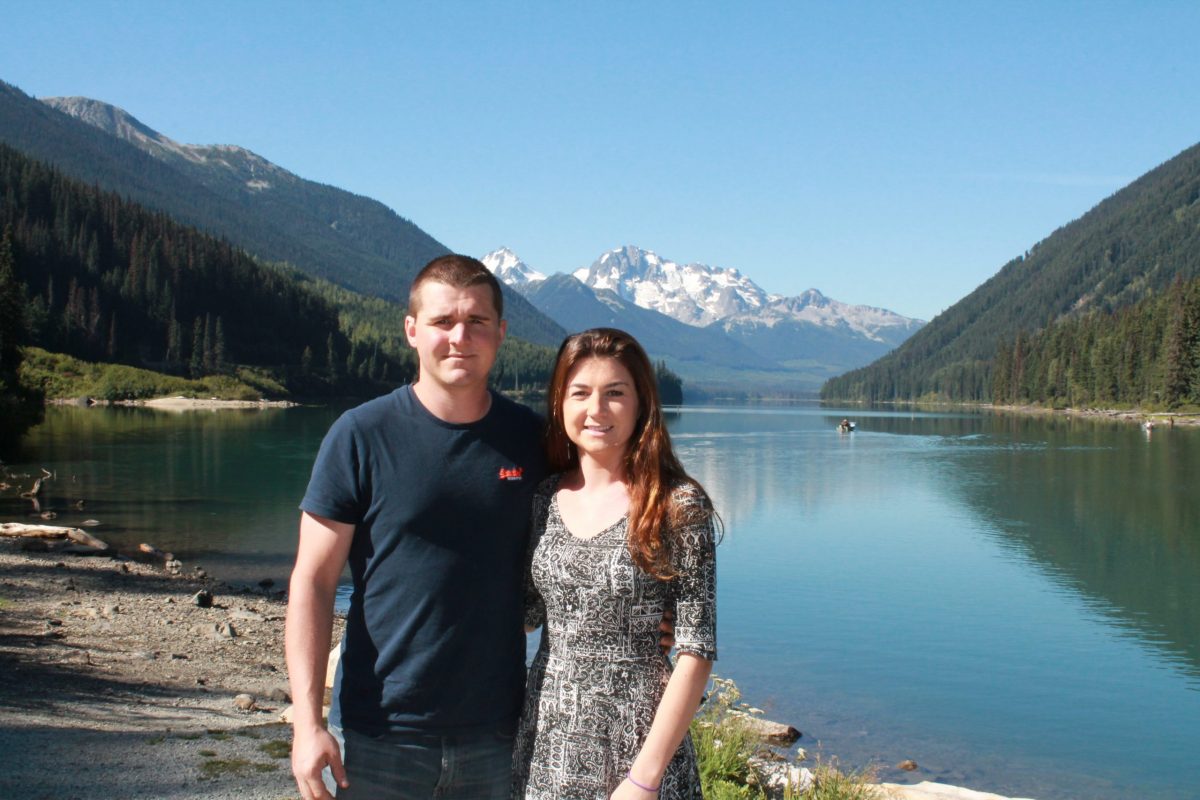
<point x="119" y="678"/>
<point x="1166" y="419"/>
<point x="129" y="678"/>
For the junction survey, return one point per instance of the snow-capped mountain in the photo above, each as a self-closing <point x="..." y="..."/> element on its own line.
<point x="510" y="269"/>
<point x="693" y="293"/>
<point x="712" y="325"/>
<point x="699" y="295"/>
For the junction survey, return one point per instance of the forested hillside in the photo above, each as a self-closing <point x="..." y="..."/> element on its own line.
<point x="1148" y="353"/>
<point x="349" y="240"/>
<point x="1129" y="247"/>
<point x="106" y="280"/>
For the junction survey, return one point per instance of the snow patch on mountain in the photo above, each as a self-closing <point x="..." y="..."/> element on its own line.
<point x="510" y="269"/>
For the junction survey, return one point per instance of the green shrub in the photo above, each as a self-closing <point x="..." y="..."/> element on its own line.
<point x="725" y="746"/>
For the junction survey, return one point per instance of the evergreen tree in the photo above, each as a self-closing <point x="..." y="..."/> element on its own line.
<point x="13" y="324"/>
<point x="197" y="364"/>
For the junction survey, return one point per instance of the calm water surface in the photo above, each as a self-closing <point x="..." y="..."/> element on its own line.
<point x="1012" y="602"/>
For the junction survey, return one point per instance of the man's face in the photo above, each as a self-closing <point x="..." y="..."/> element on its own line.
<point x="456" y="333"/>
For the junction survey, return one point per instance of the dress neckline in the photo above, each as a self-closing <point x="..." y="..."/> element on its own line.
<point x="574" y="536"/>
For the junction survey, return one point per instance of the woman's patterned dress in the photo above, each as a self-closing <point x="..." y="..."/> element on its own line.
<point x="599" y="674"/>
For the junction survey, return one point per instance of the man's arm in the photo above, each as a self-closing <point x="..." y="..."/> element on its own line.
<point x="324" y="548"/>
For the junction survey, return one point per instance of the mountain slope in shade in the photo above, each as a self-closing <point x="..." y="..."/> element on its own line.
<point x="350" y="240"/>
<point x="1130" y="245"/>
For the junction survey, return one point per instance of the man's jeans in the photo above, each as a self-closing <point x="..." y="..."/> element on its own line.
<point x="399" y="766"/>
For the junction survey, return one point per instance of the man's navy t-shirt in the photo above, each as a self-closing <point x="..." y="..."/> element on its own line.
<point x="434" y="640"/>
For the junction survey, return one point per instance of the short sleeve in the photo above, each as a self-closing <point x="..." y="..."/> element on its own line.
<point x="335" y="490"/>
<point x="694" y="587"/>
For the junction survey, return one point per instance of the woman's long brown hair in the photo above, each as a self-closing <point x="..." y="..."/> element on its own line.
<point x="652" y="470"/>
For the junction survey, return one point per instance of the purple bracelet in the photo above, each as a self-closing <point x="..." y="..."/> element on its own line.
<point x="629" y="777"/>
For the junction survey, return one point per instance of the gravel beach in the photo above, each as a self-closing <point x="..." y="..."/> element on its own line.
<point x="117" y="680"/>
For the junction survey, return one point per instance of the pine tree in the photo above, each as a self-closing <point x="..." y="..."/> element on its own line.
<point x="197" y="364"/>
<point x="13" y="321"/>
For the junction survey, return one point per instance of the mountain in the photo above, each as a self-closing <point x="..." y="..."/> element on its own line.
<point x="713" y="326"/>
<point x="1130" y="246"/>
<point x="511" y="270"/>
<point x="693" y="294"/>
<point x="352" y="241"/>
<point x="699" y="295"/>
<point x="691" y="352"/>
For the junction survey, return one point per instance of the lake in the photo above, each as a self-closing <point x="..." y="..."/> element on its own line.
<point x="1012" y="602"/>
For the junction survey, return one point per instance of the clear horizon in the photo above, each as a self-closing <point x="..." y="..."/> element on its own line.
<point x="887" y="155"/>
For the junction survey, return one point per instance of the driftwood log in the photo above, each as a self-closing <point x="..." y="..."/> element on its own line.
<point x="75" y="535"/>
<point x="154" y="552"/>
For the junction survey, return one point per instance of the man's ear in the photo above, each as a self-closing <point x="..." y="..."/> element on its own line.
<point x="410" y="330"/>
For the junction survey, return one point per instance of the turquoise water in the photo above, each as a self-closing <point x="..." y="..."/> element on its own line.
<point x="1012" y="602"/>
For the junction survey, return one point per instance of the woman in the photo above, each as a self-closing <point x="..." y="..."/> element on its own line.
<point x="620" y="535"/>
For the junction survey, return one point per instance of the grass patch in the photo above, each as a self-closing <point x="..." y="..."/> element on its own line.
<point x="725" y="746"/>
<point x="276" y="748"/>
<point x="220" y="736"/>
<point x="832" y="784"/>
<point x="156" y="740"/>
<point x="61" y="376"/>
<point x="209" y="753"/>
<point x="189" y="737"/>
<point x="247" y="733"/>
<point x="217" y="767"/>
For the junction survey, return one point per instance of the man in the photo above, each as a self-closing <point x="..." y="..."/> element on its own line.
<point x="426" y="493"/>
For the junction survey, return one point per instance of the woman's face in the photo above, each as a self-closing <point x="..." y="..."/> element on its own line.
<point x="600" y="407"/>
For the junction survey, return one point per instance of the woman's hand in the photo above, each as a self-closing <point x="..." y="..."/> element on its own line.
<point x="627" y="791"/>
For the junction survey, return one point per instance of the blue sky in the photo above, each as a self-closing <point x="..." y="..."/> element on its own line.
<point x="892" y="154"/>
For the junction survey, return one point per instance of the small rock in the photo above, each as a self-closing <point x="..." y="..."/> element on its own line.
<point x="201" y="682"/>
<point x="244" y="701"/>
<point x="173" y="566"/>
<point x="222" y="631"/>
<point x="908" y="765"/>
<point x="124" y="567"/>
<point x="203" y="598"/>
<point x="53" y="623"/>
<point x="179" y="656"/>
<point x="279" y="694"/>
<point x="91" y="523"/>
<point x="768" y="731"/>
<point x="48" y="515"/>
<point x="200" y="573"/>
<point x="110" y="610"/>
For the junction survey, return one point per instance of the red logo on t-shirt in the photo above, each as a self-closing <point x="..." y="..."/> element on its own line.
<point x="511" y="473"/>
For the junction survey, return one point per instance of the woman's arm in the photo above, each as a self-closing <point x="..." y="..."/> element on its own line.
<point x="693" y="593"/>
<point x="671" y="721"/>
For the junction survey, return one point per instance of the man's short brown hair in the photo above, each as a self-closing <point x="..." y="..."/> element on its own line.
<point x="458" y="272"/>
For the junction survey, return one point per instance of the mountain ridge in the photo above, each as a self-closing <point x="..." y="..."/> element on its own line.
<point x="350" y="240"/>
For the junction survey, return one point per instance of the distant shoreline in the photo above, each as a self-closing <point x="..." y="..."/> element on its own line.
<point x="177" y="403"/>
<point x="1164" y="418"/>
